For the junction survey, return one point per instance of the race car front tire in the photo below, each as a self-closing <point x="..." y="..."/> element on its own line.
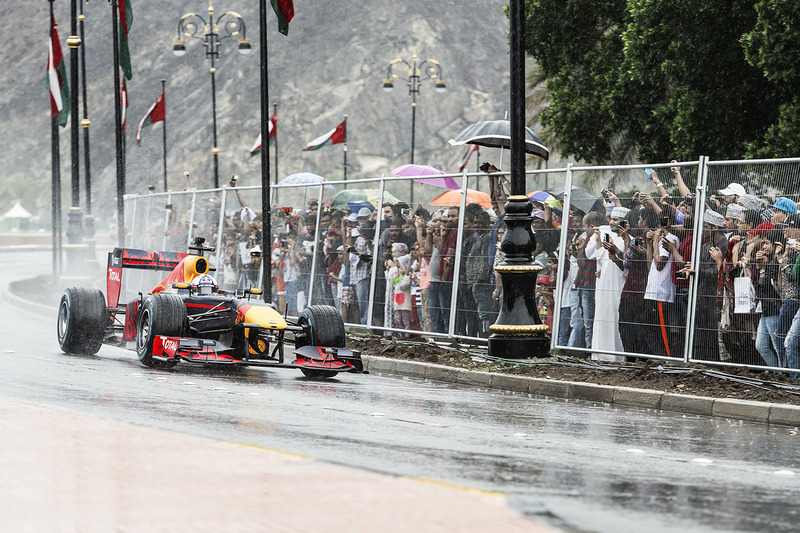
<point x="324" y="327"/>
<point x="161" y="314"/>
<point x="82" y="320"/>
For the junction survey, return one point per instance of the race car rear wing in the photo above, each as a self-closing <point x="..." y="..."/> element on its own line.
<point x="137" y="259"/>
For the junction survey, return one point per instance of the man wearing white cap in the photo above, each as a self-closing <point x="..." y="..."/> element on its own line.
<point x="606" y="247"/>
<point x="732" y="215"/>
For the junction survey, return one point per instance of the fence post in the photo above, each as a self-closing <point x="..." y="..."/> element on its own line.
<point x="191" y="220"/>
<point x="129" y="240"/>
<point x="697" y="240"/>
<point x="220" y="226"/>
<point x="315" y="248"/>
<point x="457" y="258"/>
<point x="376" y="241"/>
<point x="562" y="261"/>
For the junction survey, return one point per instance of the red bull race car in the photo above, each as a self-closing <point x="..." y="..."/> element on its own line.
<point x="187" y="318"/>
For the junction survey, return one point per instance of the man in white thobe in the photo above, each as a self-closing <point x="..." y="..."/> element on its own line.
<point x="606" y="247"/>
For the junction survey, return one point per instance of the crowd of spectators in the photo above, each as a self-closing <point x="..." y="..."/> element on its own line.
<point x="627" y="273"/>
<point x="626" y="270"/>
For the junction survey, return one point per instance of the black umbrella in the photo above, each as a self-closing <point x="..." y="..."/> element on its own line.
<point x="497" y="134"/>
<point x="580" y="198"/>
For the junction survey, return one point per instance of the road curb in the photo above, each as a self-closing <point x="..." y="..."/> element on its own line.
<point x="731" y="408"/>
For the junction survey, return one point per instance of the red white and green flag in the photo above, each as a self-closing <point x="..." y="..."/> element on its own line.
<point x="156" y="113"/>
<point x="272" y="134"/>
<point x="284" y="10"/>
<point x="337" y="135"/>
<point x="123" y="104"/>
<point x="125" y="22"/>
<point x="57" y="80"/>
<point x="465" y="158"/>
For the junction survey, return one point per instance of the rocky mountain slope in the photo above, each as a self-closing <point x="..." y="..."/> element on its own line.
<point x="332" y="63"/>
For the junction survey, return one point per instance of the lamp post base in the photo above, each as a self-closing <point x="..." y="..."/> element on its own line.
<point x="519" y="346"/>
<point x="518" y="332"/>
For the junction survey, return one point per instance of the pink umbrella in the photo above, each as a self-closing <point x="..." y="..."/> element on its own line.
<point x="412" y="170"/>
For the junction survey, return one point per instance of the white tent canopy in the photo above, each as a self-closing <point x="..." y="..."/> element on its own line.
<point x="17" y="212"/>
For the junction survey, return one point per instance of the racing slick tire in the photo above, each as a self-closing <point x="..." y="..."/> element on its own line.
<point x="325" y="327"/>
<point x="82" y="320"/>
<point x="161" y="314"/>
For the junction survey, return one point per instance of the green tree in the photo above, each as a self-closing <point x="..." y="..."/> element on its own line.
<point x="773" y="46"/>
<point x="650" y="79"/>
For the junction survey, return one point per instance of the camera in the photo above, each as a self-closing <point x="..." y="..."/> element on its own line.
<point x="604" y="192"/>
<point x="606" y="237"/>
<point x="169" y="206"/>
<point x="485" y="167"/>
<point x="406" y="212"/>
<point x="286" y="210"/>
<point x="664" y="222"/>
<point x="638" y="241"/>
<point x="682" y="274"/>
<point x="688" y="199"/>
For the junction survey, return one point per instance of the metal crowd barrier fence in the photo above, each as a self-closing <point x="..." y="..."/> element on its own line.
<point x="617" y="313"/>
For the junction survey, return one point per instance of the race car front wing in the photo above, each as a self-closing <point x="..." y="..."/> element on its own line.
<point x="207" y="351"/>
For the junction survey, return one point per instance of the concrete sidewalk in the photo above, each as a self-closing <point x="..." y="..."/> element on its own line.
<point x="65" y="472"/>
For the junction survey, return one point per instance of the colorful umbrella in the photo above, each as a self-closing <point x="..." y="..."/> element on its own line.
<point x="454" y="198"/>
<point x="412" y="170"/>
<point x="544" y="197"/>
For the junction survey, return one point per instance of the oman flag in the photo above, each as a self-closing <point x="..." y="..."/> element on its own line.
<point x="57" y="80"/>
<point x="123" y="104"/>
<point x="272" y="134"/>
<point x="337" y="135"/>
<point x="465" y="158"/>
<point x="125" y="21"/>
<point x="156" y="113"/>
<point x="284" y="10"/>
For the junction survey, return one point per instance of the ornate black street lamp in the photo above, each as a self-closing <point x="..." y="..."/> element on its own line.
<point x="430" y="69"/>
<point x="518" y="332"/>
<point x="232" y="26"/>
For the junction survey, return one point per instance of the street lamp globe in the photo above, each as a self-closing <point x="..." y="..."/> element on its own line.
<point x="440" y="86"/>
<point x="244" y="47"/>
<point x="179" y="48"/>
<point x="388" y="85"/>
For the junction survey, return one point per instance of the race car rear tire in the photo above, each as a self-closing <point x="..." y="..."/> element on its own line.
<point x="161" y="314"/>
<point x="82" y="320"/>
<point x="324" y="327"/>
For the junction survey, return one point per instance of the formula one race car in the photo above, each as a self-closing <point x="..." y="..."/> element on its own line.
<point x="187" y="318"/>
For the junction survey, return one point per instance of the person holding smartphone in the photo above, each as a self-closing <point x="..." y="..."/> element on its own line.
<point x="664" y="334"/>
<point x="606" y="246"/>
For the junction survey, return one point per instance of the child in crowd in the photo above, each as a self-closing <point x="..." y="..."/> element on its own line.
<point x="398" y="275"/>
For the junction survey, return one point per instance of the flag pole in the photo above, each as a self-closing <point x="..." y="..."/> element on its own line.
<point x="55" y="175"/>
<point x="164" y="131"/>
<point x="275" y="112"/>
<point x="120" y="155"/>
<point x="74" y="218"/>
<point x="266" y="216"/>
<point x="344" y="148"/>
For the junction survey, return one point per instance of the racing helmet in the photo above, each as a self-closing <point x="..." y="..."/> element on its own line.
<point x="204" y="284"/>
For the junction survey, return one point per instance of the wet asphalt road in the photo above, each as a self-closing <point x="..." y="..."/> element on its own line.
<point x="577" y="465"/>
